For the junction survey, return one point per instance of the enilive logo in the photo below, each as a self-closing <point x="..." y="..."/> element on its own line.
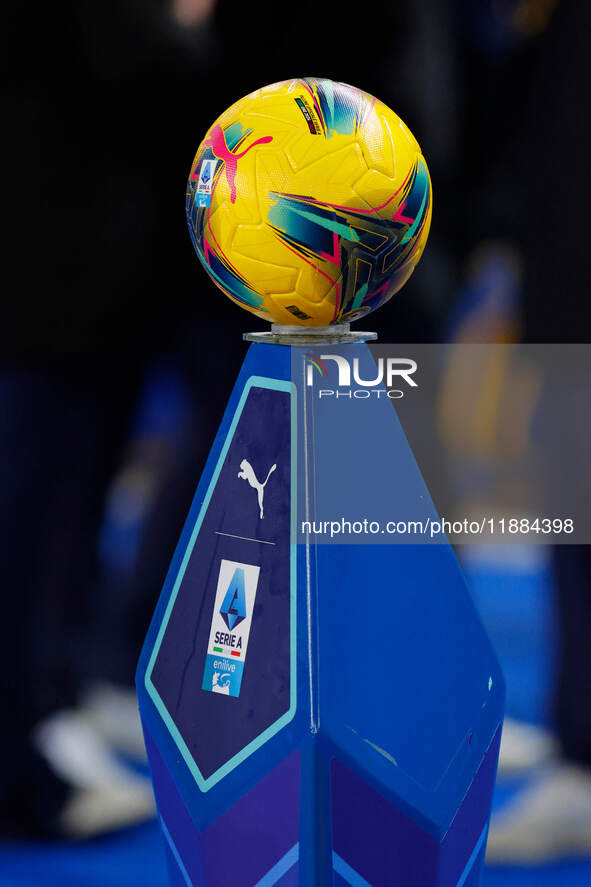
<point x="389" y="371"/>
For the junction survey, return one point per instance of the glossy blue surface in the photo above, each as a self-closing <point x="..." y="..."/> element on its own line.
<point x="395" y="676"/>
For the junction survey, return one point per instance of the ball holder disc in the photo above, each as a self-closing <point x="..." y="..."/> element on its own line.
<point x="310" y="337"/>
<point x="316" y="713"/>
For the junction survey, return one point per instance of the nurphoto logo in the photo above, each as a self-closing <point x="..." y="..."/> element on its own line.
<point x="388" y="372"/>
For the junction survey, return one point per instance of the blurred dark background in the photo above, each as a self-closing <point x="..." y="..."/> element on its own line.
<point x="109" y="325"/>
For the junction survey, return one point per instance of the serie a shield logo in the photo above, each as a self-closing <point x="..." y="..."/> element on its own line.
<point x="233" y="609"/>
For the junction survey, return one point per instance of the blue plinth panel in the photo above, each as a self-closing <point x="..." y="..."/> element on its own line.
<point x="316" y="714"/>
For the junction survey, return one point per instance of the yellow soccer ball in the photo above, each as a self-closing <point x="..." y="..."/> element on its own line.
<point x="309" y="202"/>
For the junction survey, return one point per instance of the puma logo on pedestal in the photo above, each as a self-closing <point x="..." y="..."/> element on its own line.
<point x="248" y="474"/>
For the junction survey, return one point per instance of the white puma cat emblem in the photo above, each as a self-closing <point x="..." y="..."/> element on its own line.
<point x="248" y="474"/>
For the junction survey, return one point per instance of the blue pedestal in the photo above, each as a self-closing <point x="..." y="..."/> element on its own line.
<point x="316" y="714"/>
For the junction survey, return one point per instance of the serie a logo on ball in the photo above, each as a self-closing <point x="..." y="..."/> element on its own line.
<point x="309" y="202"/>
